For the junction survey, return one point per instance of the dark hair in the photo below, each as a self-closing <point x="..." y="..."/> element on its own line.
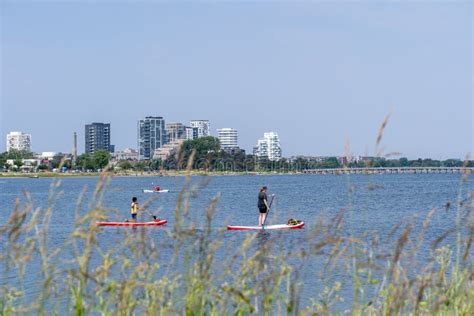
<point x="134" y="199"/>
<point x="263" y="188"/>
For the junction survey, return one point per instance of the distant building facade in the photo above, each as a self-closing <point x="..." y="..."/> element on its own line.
<point x="269" y="147"/>
<point x="228" y="137"/>
<point x="47" y="155"/>
<point x="203" y="128"/>
<point x="191" y="133"/>
<point x="175" y="131"/>
<point x="18" y="141"/>
<point x="97" y="137"/>
<point x="261" y="149"/>
<point x="171" y="148"/>
<point x="126" y="154"/>
<point x="151" y="134"/>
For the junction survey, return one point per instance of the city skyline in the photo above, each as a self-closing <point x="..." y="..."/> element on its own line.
<point x="320" y="74"/>
<point x="165" y="130"/>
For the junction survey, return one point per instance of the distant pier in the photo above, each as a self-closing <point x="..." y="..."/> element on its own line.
<point x="392" y="170"/>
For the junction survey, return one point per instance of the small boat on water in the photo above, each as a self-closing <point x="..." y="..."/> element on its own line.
<point x="157" y="222"/>
<point x="266" y="227"/>
<point x="154" y="191"/>
<point x="34" y="177"/>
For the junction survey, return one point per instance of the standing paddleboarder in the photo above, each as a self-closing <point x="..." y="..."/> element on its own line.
<point x="134" y="209"/>
<point x="262" y="205"/>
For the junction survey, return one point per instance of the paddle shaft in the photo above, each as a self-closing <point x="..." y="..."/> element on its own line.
<point x="268" y="211"/>
<point x="154" y="217"/>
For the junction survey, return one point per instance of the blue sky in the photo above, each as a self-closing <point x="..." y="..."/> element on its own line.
<point x="318" y="73"/>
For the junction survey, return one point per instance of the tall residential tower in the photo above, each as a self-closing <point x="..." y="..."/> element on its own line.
<point x="228" y="138"/>
<point x="97" y="137"/>
<point x="151" y="134"/>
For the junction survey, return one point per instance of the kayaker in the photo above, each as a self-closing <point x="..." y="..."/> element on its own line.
<point x="262" y="205"/>
<point x="157" y="188"/>
<point x="134" y="208"/>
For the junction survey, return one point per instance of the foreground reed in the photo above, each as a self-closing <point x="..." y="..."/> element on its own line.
<point x="261" y="276"/>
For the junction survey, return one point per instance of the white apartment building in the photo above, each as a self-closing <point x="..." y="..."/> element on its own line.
<point x="126" y="154"/>
<point x="49" y="155"/>
<point x="228" y="137"/>
<point x="203" y="127"/>
<point x="269" y="147"/>
<point x="18" y="141"/>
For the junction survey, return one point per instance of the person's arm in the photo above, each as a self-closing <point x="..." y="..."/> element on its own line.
<point x="266" y="202"/>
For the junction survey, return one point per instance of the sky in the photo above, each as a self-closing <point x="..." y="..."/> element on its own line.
<point x="320" y="74"/>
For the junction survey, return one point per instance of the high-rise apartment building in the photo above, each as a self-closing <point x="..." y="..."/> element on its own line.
<point x="228" y="138"/>
<point x="268" y="147"/>
<point x="151" y="134"/>
<point x="97" y="137"/>
<point x="175" y="131"/>
<point x="18" y="141"/>
<point x="203" y="127"/>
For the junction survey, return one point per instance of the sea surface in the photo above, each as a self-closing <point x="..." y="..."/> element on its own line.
<point x="372" y="206"/>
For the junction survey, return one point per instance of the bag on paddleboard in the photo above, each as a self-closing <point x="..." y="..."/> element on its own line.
<point x="293" y="222"/>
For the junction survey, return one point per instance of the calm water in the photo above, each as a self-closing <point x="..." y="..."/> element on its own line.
<point x="395" y="199"/>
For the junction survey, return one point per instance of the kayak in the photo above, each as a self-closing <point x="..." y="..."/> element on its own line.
<point x="157" y="222"/>
<point x="266" y="227"/>
<point x="153" y="191"/>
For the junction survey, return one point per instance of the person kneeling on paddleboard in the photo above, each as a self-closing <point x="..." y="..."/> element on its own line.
<point x="134" y="208"/>
<point x="157" y="188"/>
<point x="262" y="205"/>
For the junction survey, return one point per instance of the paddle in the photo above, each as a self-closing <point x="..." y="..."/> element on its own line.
<point x="268" y="211"/>
<point x="154" y="217"/>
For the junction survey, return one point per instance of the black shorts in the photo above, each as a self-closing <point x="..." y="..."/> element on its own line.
<point x="263" y="210"/>
<point x="134" y="216"/>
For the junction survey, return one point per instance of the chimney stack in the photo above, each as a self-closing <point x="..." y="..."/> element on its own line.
<point x="74" y="151"/>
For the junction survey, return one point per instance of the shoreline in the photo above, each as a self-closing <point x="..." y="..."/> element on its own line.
<point x="136" y="174"/>
<point x="339" y="172"/>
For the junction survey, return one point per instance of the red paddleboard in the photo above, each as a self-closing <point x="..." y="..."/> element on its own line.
<point x="157" y="222"/>
<point x="267" y="227"/>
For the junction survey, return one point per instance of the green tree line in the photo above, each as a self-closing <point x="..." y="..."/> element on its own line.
<point x="209" y="156"/>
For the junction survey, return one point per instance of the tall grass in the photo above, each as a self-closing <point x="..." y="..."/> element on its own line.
<point x="263" y="275"/>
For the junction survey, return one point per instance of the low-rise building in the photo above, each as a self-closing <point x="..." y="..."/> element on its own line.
<point x="27" y="165"/>
<point x="168" y="150"/>
<point x="126" y="154"/>
<point x="47" y="155"/>
<point x="308" y="158"/>
<point x="234" y="151"/>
